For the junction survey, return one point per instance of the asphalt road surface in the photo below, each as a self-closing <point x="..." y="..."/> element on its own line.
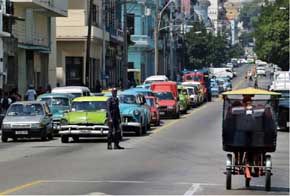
<point x="181" y="157"/>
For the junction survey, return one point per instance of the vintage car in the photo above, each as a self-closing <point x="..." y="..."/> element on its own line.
<point x="143" y="91"/>
<point x="135" y="115"/>
<point x="184" y="99"/>
<point x="215" y="90"/>
<point x="87" y="118"/>
<point x="58" y="104"/>
<point x="154" y="110"/>
<point x="29" y="119"/>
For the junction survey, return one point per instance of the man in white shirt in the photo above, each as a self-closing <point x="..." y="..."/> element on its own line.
<point x="30" y="94"/>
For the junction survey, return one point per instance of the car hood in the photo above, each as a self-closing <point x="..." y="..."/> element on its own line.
<point x="167" y="102"/>
<point x="58" y="112"/>
<point x="94" y="117"/>
<point x="22" y="119"/>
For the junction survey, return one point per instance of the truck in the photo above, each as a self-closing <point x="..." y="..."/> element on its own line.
<point x="202" y="76"/>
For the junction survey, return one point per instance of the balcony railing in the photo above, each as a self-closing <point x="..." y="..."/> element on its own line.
<point x="28" y="36"/>
<point x="54" y="7"/>
<point x="142" y="40"/>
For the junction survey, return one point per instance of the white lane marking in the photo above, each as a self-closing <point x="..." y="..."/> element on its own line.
<point x="192" y="189"/>
<point x="129" y="182"/>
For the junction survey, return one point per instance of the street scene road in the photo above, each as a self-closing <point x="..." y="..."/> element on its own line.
<point x="181" y="157"/>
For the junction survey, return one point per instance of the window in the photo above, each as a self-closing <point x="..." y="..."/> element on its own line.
<point x="131" y="23"/>
<point x="95" y="15"/>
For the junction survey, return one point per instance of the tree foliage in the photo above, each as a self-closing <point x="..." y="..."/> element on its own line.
<point x="272" y="33"/>
<point x="205" y="48"/>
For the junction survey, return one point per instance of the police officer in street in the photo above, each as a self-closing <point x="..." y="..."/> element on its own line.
<point x="114" y="119"/>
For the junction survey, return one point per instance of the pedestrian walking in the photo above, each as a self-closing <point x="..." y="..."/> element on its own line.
<point x="30" y="94"/>
<point x="5" y="102"/>
<point x="114" y="119"/>
<point x="98" y="86"/>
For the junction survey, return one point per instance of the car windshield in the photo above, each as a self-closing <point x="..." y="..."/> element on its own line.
<point x="150" y="102"/>
<point x="127" y="99"/>
<point x="164" y="95"/>
<point x="147" y="93"/>
<point x="56" y="101"/>
<point x="25" y="110"/>
<point x="76" y="94"/>
<point x="89" y="106"/>
<point x="191" y="91"/>
<point x="194" y="78"/>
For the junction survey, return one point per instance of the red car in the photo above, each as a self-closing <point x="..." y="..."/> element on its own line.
<point x="155" y="116"/>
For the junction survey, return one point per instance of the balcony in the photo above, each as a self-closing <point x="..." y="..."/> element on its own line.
<point x="53" y="8"/>
<point x="27" y="37"/>
<point x="78" y="33"/>
<point x="142" y="41"/>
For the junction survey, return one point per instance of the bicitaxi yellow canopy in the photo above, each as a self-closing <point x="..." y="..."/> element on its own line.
<point x="251" y="91"/>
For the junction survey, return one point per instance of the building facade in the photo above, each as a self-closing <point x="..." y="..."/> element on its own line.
<point x="35" y="41"/>
<point x="141" y="27"/>
<point x="105" y="47"/>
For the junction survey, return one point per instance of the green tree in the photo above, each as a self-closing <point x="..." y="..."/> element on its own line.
<point x="272" y="33"/>
<point x="204" y="49"/>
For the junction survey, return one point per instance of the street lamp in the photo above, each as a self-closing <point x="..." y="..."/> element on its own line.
<point x="158" y="16"/>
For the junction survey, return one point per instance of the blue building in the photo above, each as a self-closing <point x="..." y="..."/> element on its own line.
<point x="140" y="23"/>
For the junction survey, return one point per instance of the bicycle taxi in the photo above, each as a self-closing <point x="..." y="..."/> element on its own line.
<point x="249" y="133"/>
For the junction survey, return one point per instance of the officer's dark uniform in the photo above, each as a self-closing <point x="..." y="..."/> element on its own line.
<point x="114" y="127"/>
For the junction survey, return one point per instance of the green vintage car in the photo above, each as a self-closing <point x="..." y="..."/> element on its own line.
<point x="87" y="118"/>
<point x="183" y="99"/>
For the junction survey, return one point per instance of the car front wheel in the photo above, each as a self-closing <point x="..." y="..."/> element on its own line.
<point x="64" y="139"/>
<point x="4" y="139"/>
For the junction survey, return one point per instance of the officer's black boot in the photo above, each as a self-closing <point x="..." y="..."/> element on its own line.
<point x="117" y="146"/>
<point x="110" y="146"/>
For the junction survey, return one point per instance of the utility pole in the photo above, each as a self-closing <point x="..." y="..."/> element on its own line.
<point x="125" y="48"/>
<point x="156" y="37"/>
<point x="2" y="34"/>
<point x="103" y="67"/>
<point x="88" y="49"/>
<point x="171" y="44"/>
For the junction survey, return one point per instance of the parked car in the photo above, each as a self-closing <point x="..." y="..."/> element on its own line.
<point x="76" y="91"/>
<point x="154" y="110"/>
<point x="183" y="99"/>
<point x="29" y="119"/>
<point x="58" y="104"/>
<point x="214" y="88"/>
<point x="168" y="98"/>
<point x="156" y="78"/>
<point x="135" y="115"/>
<point x="87" y="118"/>
<point x="198" y="89"/>
<point x="225" y="83"/>
<point x="193" y="95"/>
<point x="261" y="71"/>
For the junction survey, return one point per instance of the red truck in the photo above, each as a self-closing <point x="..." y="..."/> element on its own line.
<point x="203" y="78"/>
<point x="167" y="95"/>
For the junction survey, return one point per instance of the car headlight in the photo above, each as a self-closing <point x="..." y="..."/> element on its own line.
<point x="6" y="126"/>
<point x="170" y="107"/>
<point x="136" y="112"/>
<point x="36" y="125"/>
<point x="63" y="122"/>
